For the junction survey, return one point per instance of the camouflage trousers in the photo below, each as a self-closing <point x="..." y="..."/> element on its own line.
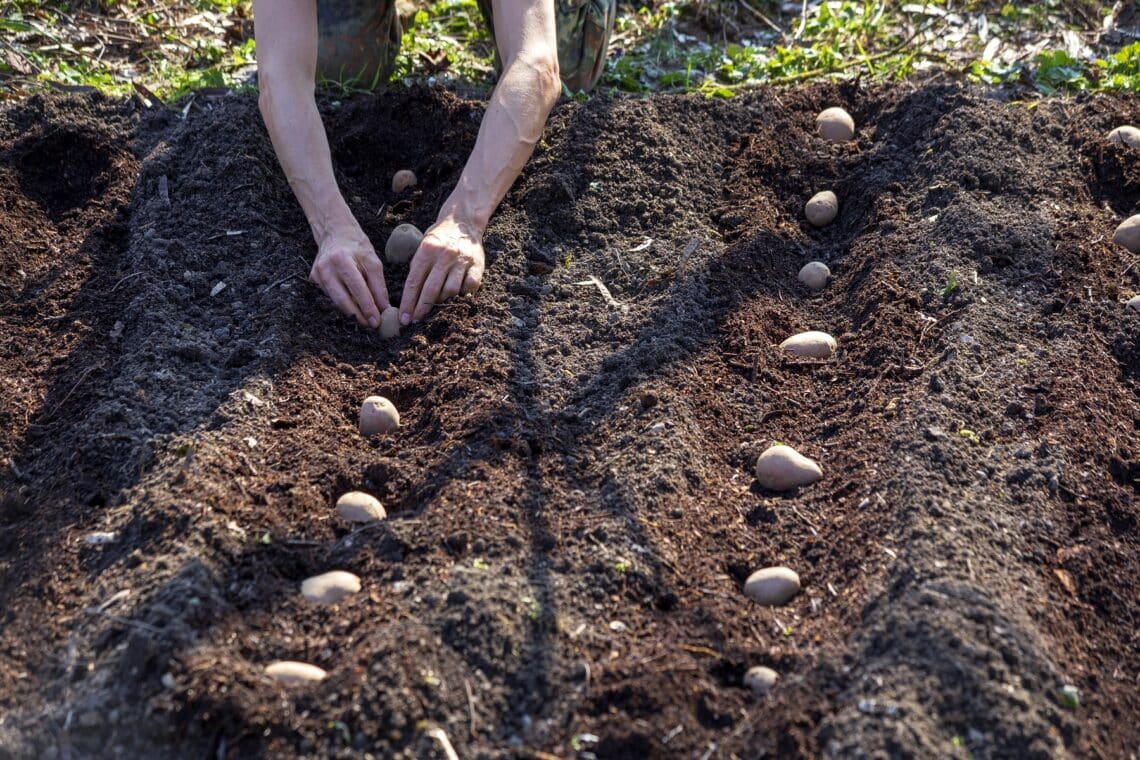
<point x="359" y="39"/>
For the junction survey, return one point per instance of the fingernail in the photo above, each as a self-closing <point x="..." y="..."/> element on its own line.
<point x="405" y="319"/>
<point x="373" y="322"/>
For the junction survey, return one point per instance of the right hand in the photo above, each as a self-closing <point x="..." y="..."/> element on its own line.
<point x="349" y="271"/>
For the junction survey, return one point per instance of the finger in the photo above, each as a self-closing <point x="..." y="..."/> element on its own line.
<point x="342" y="299"/>
<point x="374" y="273"/>
<point x="454" y="282"/>
<point x="430" y="293"/>
<point x="412" y="285"/>
<point x="474" y="279"/>
<point x="353" y="279"/>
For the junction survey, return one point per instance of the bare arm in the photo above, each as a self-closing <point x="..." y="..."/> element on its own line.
<point x="450" y="259"/>
<point x="346" y="267"/>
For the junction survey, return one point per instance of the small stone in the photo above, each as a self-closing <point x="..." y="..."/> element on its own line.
<point x="1069" y="696"/>
<point x="390" y="322"/>
<point x="331" y="587"/>
<point x="812" y="344"/>
<point x="822" y="208"/>
<point x="617" y="626"/>
<point x="294" y="673"/>
<point x="1134" y="303"/>
<point x="936" y="434"/>
<point x="835" y="125"/>
<point x="378" y="416"/>
<point x="782" y="468"/>
<point x="760" y="680"/>
<point x="403" y="179"/>
<point x="1126" y="134"/>
<point x="1128" y="234"/>
<point x="402" y="244"/>
<point x="100" y="537"/>
<point x="357" y="506"/>
<point x="772" y="586"/>
<point x="814" y="274"/>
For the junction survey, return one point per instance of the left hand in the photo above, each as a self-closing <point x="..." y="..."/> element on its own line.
<point x="448" y="262"/>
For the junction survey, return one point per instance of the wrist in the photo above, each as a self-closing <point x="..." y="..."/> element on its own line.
<point x="335" y="225"/>
<point x="465" y="212"/>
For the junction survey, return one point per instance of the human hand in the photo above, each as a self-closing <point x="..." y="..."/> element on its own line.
<point x="350" y="273"/>
<point x="448" y="262"/>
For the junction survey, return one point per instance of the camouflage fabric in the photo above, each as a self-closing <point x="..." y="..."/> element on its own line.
<point x="583" y="28"/>
<point x="359" y="39"/>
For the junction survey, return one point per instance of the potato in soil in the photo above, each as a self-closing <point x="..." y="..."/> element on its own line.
<point x="403" y="179"/>
<point x="402" y="244"/>
<point x="378" y="416"/>
<point x="822" y="208"/>
<point x="835" y="125"/>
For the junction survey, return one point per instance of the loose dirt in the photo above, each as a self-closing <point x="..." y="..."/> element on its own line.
<point x="569" y="459"/>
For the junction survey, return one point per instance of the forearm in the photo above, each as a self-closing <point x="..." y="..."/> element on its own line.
<point x="289" y="109"/>
<point x="512" y="126"/>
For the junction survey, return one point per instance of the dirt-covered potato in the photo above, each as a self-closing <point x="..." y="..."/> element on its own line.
<point x="835" y="125"/>
<point x="812" y="344"/>
<point x="294" y="673"/>
<point x="357" y="506"/>
<point x="822" y="208"/>
<point x="330" y="588"/>
<point x="402" y="244"/>
<point x="1134" y="303"/>
<point x="1126" y="134"/>
<point x="782" y="468"/>
<point x="760" y="680"/>
<point x="814" y="274"/>
<point x="378" y="416"/>
<point x="390" y="322"/>
<point x="403" y="179"/>
<point x="1128" y="234"/>
<point x="772" y="586"/>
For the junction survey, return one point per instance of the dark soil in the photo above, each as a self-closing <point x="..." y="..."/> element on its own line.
<point x="572" y="510"/>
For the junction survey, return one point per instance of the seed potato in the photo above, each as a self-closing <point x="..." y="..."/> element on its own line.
<point x="1126" y="134"/>
<point x="822" y="208"/>
<point x="812" y="344"/>
<point x="782" y="468"/>
<point x="814" y="274"/>
<point x="294" y="673"/>
<point x="403" y="179"/>
<point x="1128" y="234"/>
<point x="390" y="322"/>
<point x="357" y="506"/>
<point x="760" y="680"/>
<point x="378" y="416"/>
<point x="835" y="125"/>
<point x="772" y="586"/>
<point x="330" y="588"/>
<point x="402" y="244"/>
